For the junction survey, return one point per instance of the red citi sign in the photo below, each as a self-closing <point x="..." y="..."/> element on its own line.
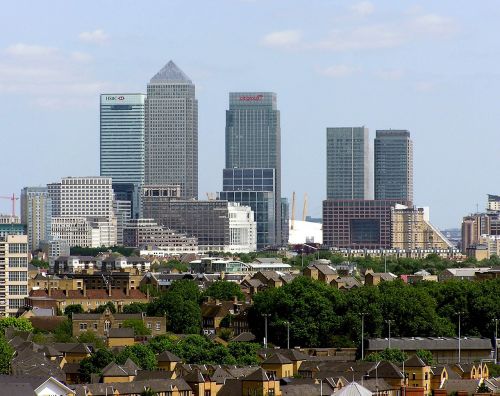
<point x="251" y="98"/>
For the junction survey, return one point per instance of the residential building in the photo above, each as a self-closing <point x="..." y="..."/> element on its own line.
<point x="14" y="255"/>
<point x="55" y="248"/>
<point x="171" y="131"/>
<point x="146" y="233"/>
<point x="348" y="163"/>
<point x="122" y="137"/>
<point x="253" y="146"/>
<point x="102" y="323"/>
<point x="11" y="225"/>
<point x="411" y="229"/>
<point x="358" y="224"/>
<point x="473" y="226"/>
<point x="36" y="213"/>
<point x="393" y="165"/>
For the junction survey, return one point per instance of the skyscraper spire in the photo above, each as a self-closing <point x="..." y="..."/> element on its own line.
<point x="170" y="73"/>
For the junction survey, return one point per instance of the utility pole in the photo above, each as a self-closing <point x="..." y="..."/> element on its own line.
<point x="388" y="321"/>
<point x="265" y="329"/>
<point x="362" y="335"/>
<point x="496" y="336"/>
<point x="459" y="334"/>
<point x="287" y="335"/>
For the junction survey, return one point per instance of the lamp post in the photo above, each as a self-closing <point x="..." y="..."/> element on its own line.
<point x="459" y="313"/>
<point x="287" y="323"/>
<point x="362" y="334"/>
<point x="265" y="329"/>
<point x="496" y="336"/>
<point x="388" y="321"/>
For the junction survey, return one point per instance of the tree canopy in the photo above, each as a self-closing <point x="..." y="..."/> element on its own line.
<point x="224" y="290"/>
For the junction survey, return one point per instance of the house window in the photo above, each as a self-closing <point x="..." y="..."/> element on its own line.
<point x="414" y="376"/>
<point x="208" y="393"/>
<point x="83" y="326"/>
<point x="95" y="326"/>
<point x="271" y="392"/>
<point x="150" y="325"/>
<point x="158" y="326"/>
<point x="426" y="376"/>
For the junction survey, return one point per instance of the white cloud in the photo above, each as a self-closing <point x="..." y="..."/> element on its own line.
<point x="97" y="36"/>
<point x="365" y="37"/>
<point x="79" y="56"/>
<point x="338" y="71"/>
<point x="435" y="25"/>
<point x="21" y="49"/>
<point x="424" y="86"/>
<point x="390" y="74"/>
<point x="283" y="39"/>
<point x="363" y="8"/>
<point x="49" y="77"/>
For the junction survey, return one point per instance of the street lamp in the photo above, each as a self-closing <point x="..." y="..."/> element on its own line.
<point x="287" y="323"/>
<point x="496" y="336"/>
<point x="388" y="321"/>
<point x="265" y="329"/>
<point x="459" y="313"/>
<point x="362" y="334"/>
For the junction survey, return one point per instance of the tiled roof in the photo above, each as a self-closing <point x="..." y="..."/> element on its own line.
<point x="167" y="356"/>
<point x="277" y="359"/>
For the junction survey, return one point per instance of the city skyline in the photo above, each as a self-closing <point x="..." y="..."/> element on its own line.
<point x="348" y="78"/>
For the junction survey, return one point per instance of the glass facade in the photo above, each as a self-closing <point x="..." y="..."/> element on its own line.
<point x="393" y="165"/>
<point x="122" y="137"/>
<point x="253" y="152"/>
<point x="348" y="163"/>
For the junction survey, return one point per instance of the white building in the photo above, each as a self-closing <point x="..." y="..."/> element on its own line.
<point x="242" y="229"/>
<point x="122" y="209"/>
<point x="82" y="209"/>
<point x="13" y="273"/>
<point x="36" y="213"/>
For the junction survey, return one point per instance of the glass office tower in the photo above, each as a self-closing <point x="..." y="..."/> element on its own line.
<point x="253" y="161"/>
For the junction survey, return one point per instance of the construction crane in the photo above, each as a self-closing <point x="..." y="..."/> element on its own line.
<point x="304" y="209"/>
<point x="13" y="199"/>
<point x="292" y="220"/>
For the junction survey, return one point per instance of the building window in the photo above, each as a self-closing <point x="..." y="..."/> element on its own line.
<point x="414" y="376"/>
<point x="83" y="326"/>
<point x="149" y="325"/>
<point x="158" y="326"/>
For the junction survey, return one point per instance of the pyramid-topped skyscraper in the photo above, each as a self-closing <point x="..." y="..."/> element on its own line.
<point x="171" y="131"/>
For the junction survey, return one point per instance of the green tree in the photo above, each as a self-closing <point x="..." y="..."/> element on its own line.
<point x="21" y="324"/>
<point x="89" y="337"/>
<point x="6" y="353"/>
<point x="138" y="326"/>
<point x="73" y="308"/>
<point x="164" y="342"/>
<point x="64" y="332"/>
<point x="140" y="354"/>
<point x="95" y="363"/>
<point x="135" y="308"/>
<point x="148" y="392"/>
<point x="224" y="290"/>
<point x="245" y="353"/>
<point x="39" y="263"/>
<point x="426" y="356"/>
<point x="109" y="305"/>
<point x="390" y="355"/>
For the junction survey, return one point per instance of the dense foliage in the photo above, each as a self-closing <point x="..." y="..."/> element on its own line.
<point x="138" y="326"/>
<point x="39" y="263"/>
<point x="73" y="308"/>
<point x="390" y="355"/>
<point x="21" y="324"/>
<point x="224" y="290"/>
<point x="322" y="316"/>
<point x="6" y="353"/>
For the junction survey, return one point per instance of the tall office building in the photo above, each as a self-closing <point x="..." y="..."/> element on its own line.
<point x="348" y="163"/>
<point x="36" y="214"/>
<point x="171" y="131"/>
<point x="393" y="165"/>
<point x="253" y="161"/>
<point x="122" y="145"/>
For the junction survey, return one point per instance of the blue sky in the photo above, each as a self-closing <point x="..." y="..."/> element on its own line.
<point x="427" y="66"/>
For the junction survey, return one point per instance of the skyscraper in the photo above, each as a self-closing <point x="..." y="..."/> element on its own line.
<point x="171" y="131"/>
<point x="348" y="169"/>
<point x="393" y="165"/>
<point x="253" y="161"/>
<point x="122" y="145"/>
<point x="122" y="137"/>
<point x="36" y="213"/>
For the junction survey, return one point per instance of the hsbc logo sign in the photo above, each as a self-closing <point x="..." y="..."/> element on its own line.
<point x="115" y="98"/>
<point x="256" y="98"/>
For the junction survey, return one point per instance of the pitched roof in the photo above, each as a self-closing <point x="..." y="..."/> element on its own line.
<point x="246" y="336"/>
<point x="115" y="370"/>
<point x="429" y="343"/>
<point x="171" y="73"/>
<point x="415" y="361"/>
<point x="277" y="358"/>
<point x="123" y="332"/>
<point x="194" y="377"/>
<point x="258" y="375"/>
<point x="469" y="386"/>
<point x="167" y="356"/>
<point x="353" y="389"/>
